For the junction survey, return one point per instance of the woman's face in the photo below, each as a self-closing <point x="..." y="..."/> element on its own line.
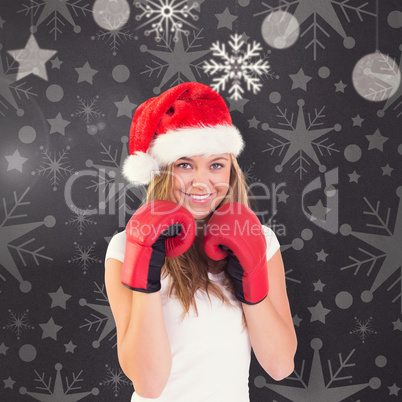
<point x="201" y="183"/>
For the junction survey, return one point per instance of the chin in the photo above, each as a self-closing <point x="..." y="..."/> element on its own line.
<point x="200" y="215"/>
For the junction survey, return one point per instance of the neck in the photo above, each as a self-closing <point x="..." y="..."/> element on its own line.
<point x="200" y="227"/>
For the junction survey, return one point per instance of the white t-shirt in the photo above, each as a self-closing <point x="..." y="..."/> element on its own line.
<point x="211" y="352"/>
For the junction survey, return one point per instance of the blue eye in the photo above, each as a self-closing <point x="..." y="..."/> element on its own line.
<point x="217" y="164"/>
<point x="214" y="164"/>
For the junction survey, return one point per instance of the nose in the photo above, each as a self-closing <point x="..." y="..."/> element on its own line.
<point x="201" y="180"/>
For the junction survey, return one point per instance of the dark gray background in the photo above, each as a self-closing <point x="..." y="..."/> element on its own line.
<point x="344" y="275"/>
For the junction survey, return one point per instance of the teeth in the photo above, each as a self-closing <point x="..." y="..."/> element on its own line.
<point x="199" y="197"/>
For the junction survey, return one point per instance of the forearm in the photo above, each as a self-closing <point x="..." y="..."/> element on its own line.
<point x="272" y="338"/>
<point x="145" y="353"/>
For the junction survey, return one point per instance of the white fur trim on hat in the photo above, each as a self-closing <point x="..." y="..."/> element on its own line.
<point x="167" y="148"/>
<point x="140" y="168"/>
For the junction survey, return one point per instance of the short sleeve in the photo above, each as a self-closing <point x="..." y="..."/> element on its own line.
<point x="272" y="241"/>
<point x="116" y="247"/>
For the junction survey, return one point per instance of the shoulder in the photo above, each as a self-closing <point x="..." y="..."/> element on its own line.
<point x="116" y="247"/>
<point x="273" y="244"/>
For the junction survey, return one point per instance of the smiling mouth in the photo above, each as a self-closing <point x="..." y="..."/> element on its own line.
<point x="199" y="196"/>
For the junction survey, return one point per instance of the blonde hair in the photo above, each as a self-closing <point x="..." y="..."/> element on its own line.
<point x="189" y="271"/>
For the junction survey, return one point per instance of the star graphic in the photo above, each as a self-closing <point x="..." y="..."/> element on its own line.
<point x="115" y="172"/>
<point x="125" y="107"/>
<point x="357" y="121"/>
<point x="9" y="383"/>
<point x="324" y="9"/>
<point x="318" y="312"/>
<point x="107" y="313"/>
<point x="237" y="104"/>
<point x="318" y="211"/>
<point x="318" y="286"/>
<point x="6" y="80"/>
<point x="244" y="37"/>
<point x="354" y="177"/>
<point x="11" y="232"/>
<point x="282" y="196"/>
<point x="322" y="255"/>
<point x="58" y="124"/>
<point x="3" y="349"/>
<point x="61" y="390"/>
<point x="376" y="140"/>
<point x="52" y="8"/>
<point x="397" y="326"/>
<point x="32" y="59"/>
<point x="50" y="329"/>
<point x="86" y="73"/>
<point x="253" y="123"/>
<point x="225" y="20"/>
<point x="388" y="243"/>
<point x="297" y="320"/>
<point x="59" y="298"/>
<point x="301" y="138"/>
<point x="56" y="63"/>
<point x="315" y="388"/>
<point x="394" y="390"/>
<point x="15" y="161"/>
<point x="340" y="87"/>
<point x="300" y="80"/>
<point x="70" y="347"/>
<point x="386" y="170"/>
<point x="178" y="61"/>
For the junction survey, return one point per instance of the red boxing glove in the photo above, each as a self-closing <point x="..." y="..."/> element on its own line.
<point x="157" y="230"/>
<point x="235" y="232"/>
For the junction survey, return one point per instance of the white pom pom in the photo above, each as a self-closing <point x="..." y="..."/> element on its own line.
<point x="140" y="168"/>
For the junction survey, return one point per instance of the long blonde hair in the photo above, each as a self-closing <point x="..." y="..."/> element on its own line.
<point x="189" y="271"/>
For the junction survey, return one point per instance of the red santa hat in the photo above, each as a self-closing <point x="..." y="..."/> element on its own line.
<point x="187" y="120"/>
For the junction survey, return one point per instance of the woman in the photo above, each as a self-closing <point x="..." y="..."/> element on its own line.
<point x="195" y="280"/>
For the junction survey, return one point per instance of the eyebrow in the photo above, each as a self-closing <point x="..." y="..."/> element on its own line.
<point x="191" y="160"/>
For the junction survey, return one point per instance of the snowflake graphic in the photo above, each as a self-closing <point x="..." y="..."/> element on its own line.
<point x="54" y="166"/>
<point x="315" y="389"/>
<point x="97" y="321"/>
<point x="388" y="243"/>
<point x="115" y="379"/>
<point x="88" y="110"/>
<point x="59" y="392"/>
<point x="9" y="91"/>
<point x="166" y="16"/>
<point x="249" y="175"/>
<point x="363" y="328"/>
<point x="52" y="10"/>
<point x="114" y="35"/>
<point x="18" y="323"/>
<point x="80" y="220"/>
<point x="84" y="256"/>
<point x="299" y="139"/>
<point x="325" y="10"/>
<point x="237" y="67"/>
